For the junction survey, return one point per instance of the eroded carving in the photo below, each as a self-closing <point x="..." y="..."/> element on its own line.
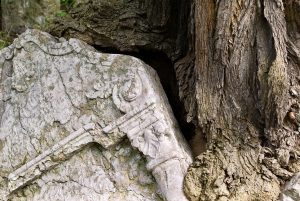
<point x="139" y="111"/>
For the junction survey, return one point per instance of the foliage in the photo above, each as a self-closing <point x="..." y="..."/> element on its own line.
<point x="67" y="4"/>
<point x="61" y="13"/>
<point x="5" y="40"/>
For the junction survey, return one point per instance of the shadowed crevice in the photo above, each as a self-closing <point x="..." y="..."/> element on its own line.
<point x="165" y="70"/>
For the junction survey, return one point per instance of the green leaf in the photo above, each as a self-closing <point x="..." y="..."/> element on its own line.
<point x="61" y="13"/>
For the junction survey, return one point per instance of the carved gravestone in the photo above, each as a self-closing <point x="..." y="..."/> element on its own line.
<point x="81" y="125"/>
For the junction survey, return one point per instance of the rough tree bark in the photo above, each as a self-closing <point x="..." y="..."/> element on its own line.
<point x="247" y="93"/>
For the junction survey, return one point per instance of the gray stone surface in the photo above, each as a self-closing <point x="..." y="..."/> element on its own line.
<point x="291" y="192"/>
<point x="81" y="125"/>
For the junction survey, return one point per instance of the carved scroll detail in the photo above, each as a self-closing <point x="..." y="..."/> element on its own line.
<point x="64" y="149"/>
<point x="50" y="158"/>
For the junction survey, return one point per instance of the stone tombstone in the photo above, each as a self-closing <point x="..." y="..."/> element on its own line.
<point x="77" y="124"/>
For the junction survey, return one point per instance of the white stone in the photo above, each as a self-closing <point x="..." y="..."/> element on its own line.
<point x="291" y="191"/>
<point x="81" y="125"/>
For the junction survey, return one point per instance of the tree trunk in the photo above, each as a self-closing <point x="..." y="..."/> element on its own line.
<point x="247" y="64"/>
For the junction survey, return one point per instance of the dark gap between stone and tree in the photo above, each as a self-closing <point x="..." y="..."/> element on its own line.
<point x="165" y="70"/>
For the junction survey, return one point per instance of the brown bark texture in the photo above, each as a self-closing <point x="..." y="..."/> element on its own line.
<point x="247" y="94"/>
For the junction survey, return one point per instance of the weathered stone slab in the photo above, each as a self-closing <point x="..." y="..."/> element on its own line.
<point x="291" y="192"/>
<point x="81" y="125"/>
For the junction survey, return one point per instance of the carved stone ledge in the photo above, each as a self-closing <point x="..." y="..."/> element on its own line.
<point x="63" y="96"/>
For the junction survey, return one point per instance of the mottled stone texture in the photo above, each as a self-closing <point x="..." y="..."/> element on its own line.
<point x="81" y="125"/>
<point x="19" y="14"/>
<point x="291" y="191"/>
